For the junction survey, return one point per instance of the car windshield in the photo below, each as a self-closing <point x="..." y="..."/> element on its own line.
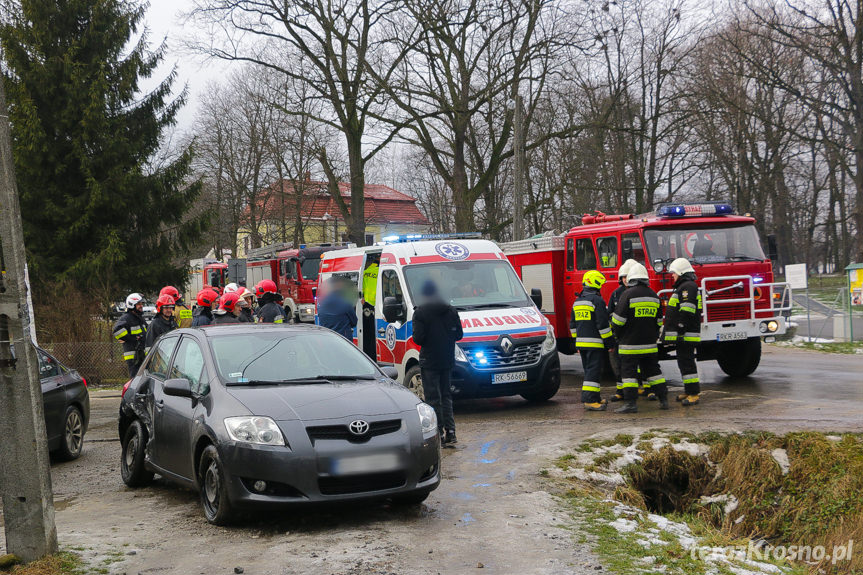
<point x="310" y="267"/>
<point x="288" y="357"/>
<point x="470" y="285"/>
<point x="704" y="245"/>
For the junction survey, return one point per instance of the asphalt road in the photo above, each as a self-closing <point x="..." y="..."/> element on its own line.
<point x="492" y="510"/>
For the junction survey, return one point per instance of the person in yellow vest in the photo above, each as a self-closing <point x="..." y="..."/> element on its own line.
<point x="182" y="312"/>
<point x="370" y="289"/>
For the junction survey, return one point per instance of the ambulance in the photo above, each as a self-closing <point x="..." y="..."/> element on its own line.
<point x="742" y="305"/>
<point x="509" y="347"/>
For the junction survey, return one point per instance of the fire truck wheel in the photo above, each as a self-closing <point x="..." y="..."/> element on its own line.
<point x="740" y="358"/>
<point x="414" y="381"/>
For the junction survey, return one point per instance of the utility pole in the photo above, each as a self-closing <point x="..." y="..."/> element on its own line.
<point x="25" y="477"/>
<point x="520" y="168"/>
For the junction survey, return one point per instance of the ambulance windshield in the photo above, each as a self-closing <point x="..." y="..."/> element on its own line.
<point x="469" y="285"/>
<point x="708" y="245"/>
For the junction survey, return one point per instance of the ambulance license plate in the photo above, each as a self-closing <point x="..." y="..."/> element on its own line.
<point x="731" y="336"/>
<point x="511" y="377"/>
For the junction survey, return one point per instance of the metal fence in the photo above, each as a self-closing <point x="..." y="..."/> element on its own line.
<point x="99" y="362"/>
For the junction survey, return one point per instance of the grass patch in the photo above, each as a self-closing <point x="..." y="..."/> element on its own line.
<point x="63" y="563"/>
<point x="855" y="347"/>
<point x="801" y="489"/>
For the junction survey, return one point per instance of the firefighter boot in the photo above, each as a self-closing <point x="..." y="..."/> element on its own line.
<point x="595" y="406"/>
<point x="690" y="400"/>
<point x="629" y="406"/>
<point x="618" y="396"/>
<point x="663" y="399"/>
<point x="681" y="397"/>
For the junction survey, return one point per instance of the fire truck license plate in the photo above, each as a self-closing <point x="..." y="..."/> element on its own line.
<point x="731" y="336"/>
<point x="509" y="377"/>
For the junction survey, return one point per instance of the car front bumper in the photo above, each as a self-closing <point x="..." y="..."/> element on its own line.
<point x="403" y="462"/>
<point x="468" y="381"/>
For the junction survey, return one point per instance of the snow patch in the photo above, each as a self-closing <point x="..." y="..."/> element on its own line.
<point x="624" y="525"/>
<point x="781" y="457"/>
<point x="693" y="449"/>
<point x="730" y="502"/>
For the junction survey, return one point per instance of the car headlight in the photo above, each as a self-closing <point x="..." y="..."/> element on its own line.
<point x="550" y="343"/>
<point x="254" y="429"/>
<point x="428" y="419"/>
<point x="459" y="354"/>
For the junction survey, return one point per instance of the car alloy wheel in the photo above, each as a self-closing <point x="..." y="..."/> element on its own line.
<point x="214" y="496"/>
<point x="132" y="466"/>
<point x="74" y="432"/>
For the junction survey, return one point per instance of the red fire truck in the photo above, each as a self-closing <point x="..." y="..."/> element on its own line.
<point x="742" y="304"/>
<point x="295" y="271"/>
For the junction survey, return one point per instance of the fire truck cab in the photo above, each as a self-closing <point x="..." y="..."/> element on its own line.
<point x="508" y="346"/>
<point x="741" y="302"/>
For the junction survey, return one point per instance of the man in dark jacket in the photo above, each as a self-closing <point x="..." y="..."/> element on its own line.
<point x="335" y="311"/>
<point x="246" y="314"/>
<point x="162" y="323"/>
<point x="131" y="329"/>
<point x="226" y="314"/>
<point x="436" y="328"/>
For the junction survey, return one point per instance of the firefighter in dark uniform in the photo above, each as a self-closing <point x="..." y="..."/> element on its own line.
<point x="636" y="322"/>
<point x="592" y="333"/>
<point x="131" y="329"/>
<point x="682" y="326"/>
<point x="613" y="356"/>
<point x="227" y="312"/>
<point x="269" y="311"/>
<point x="162" y="323"/>
<point x="203" y="314"/>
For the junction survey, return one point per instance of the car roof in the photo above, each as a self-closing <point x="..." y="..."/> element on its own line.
<point x="210" y="331"/>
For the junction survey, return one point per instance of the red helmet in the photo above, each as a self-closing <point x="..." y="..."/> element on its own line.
<point x="265" y="286"/>
<point x="171" y="291"/>
<point x="164" y="299"/>
<point x="229" y="301"/>
<point x="206" y="297"/>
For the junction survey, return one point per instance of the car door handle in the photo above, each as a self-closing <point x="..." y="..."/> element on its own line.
<point x="160" y="404"/>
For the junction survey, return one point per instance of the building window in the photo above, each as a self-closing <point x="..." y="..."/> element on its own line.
<point x="370" y="239"/>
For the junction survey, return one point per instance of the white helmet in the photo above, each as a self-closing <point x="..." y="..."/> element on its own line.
<point x="637" y="272"/>
<point x="231" y="288"/>
<point x="627" y="265"/>
<point x="132" y="300"/>
<point x="681" y="266"/>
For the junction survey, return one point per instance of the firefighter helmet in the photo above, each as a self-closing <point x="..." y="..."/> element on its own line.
<point x="681" y="266"/>
<point x="164" y="300"/>
<point x="229" y="301"/>
<point x="132" y="300"/>
<point x="246" y="293"/>
<point x="171" y="291"/>
<point x="206" y="297"/>
<point x="593" y="279"/>
<point x="265" y="286"/>
<point x="231" y="288"/>
<point x="637" y="274"/>
<point x="624" y="269"/>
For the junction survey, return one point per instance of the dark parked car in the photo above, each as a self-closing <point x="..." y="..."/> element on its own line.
<point x="273" y="415"/>
<point x="67" y="406"/>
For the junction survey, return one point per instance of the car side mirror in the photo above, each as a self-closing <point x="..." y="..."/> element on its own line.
<point x="659" y="265"/>
<point x="394" y="310"/>
<point x="536" y="296"/>
<point x="390" y="371"/>
<point x="179" y="387"/>
<point x="626" y="248"/>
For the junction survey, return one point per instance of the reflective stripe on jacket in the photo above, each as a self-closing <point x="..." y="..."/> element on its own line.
<point x="589" y="321"/>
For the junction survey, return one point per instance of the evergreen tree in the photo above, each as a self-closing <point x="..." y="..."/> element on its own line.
<point x="96" y="208"/>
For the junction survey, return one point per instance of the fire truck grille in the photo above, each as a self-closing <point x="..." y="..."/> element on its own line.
<point x="522" y="355"/>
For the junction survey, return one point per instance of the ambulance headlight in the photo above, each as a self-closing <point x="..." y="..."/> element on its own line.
<point x="459" y="354"/>
<point x="550" y="343"/>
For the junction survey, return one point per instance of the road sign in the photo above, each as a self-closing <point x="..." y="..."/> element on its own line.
<point x="795" y="275"/>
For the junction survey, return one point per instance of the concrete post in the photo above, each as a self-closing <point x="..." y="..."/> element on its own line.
<point x="25" y="476"/>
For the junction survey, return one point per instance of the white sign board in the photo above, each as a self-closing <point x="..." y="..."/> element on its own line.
<point x="795" y="275"/>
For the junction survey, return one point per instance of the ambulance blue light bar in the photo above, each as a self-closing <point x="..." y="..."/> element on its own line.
<point x="694" y="210"/>
<point x="420" y="237"/>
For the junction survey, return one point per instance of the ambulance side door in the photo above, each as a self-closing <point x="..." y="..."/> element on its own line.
<point x="391" y="338"/>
